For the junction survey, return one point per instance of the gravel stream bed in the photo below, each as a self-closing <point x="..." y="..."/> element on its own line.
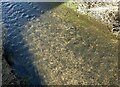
<point x="59" y="48"/>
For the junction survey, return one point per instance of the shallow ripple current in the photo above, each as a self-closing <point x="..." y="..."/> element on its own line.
<point x="14" y="16"/>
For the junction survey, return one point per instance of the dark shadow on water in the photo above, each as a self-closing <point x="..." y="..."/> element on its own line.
<point x="16" y="50"/>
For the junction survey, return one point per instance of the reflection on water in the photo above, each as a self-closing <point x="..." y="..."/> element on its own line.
<point x="59" y="47"/>
<point x="15" y="16"/>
